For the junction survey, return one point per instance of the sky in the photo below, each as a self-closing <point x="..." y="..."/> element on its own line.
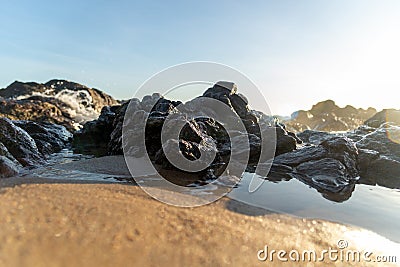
<point x="296" y="52"/>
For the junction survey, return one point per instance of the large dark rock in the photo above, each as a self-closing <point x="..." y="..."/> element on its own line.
<point x="382" y="171"/>
<point x="49" y="138"/>
<point x="326" y="174"/>
<point x="19" y="143"/>
<point x="28" y="144"/>
<point x="94" y="137"/>
<point x="379" y="159"/>
<point x="330" y="166"/>
<point x="151" y="112"/>
<point x="302" y="155"/>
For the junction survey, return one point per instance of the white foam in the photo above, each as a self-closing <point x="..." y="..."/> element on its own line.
<point x="80" y="102"/>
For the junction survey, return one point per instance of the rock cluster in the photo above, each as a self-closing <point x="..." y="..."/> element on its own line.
<point x="197" y="135"/>
<point x="332" y="163"/>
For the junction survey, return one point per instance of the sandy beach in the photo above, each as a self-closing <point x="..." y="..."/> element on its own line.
<point x="47" y="222"/>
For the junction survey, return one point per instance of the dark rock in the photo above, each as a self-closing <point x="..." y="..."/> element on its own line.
<point x="49" y="138"/>
<point x="383" y="140"/>
<point x="325" y="174"/>
<point x="379" y="156"/>
<point x="382" y="171"/>
<point x="285" y="142"/>
<point x="302" y="155"/>
<point x="365" y="158"/>
<point x="19" y="143"/>
<point x="314" y="137"/>
<point x="280" y="172"/>
<point x="330" y="166"/>
<point x="115" y="142"/>
<point x="95" y="135"/>
<point x="8" y="168"/>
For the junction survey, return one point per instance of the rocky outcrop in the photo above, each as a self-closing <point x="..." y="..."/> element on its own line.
<point x="49" y="138"/>
<point x="28" y="144"/>
<point x="332" y="163"/>
<point x="19" y="143"/>
<point x="95" y="135"/>
<point x="57" y="101"/>
<point x="197" y="135"/>
<point x="327" y="116"/>
<point x="330" y="166"/>
<point x="378" y="152"/>
<point x="379" y="158"/>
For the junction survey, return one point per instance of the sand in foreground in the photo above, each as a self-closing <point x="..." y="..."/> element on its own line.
<point x="60" y="223"/>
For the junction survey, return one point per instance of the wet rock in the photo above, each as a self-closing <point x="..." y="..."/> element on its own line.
<point x="285" y="142"/>
<point x="314" y="137"/>
<point x="327" y="174"/>
<point x="280" y="172"/>
<point x="379" y="155"/>
<point x="365" y="158"/>
<point x="49" y="138"/>
<point x="19" y="143"/>
<point x="8" y="168"/>
<point x="384" y="140"/>
<point x="95" y="135"/>
<point x="329" y="166"/>
<point x="302" y="155"/>
<point x="115" y="143"/>
<point x="383" y="171"/>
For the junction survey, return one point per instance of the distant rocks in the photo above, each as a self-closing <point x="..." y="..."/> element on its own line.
<point x="391" y="116"/>
<point x="57" y="101"/>
<point x="327" y="116"/>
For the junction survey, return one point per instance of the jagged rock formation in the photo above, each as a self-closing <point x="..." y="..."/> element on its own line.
<point x="57" y="101"/>
<point x="327" y="116"/>
<point x="330" y="166"/>
<point x="28" y="144"/>
<point x="197" y="135"/>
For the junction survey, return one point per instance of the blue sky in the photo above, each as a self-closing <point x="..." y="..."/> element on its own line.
<point x="297" y="52"/>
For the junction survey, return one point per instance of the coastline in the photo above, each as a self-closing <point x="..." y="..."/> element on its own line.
<point x="56" y="222"/>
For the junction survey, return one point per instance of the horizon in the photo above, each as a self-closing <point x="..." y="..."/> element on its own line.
<point x="173" y="97"/>
<point x="298" y="53"/>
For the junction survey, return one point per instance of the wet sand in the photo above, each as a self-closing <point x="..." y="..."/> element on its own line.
<point x="46" y="222"/>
